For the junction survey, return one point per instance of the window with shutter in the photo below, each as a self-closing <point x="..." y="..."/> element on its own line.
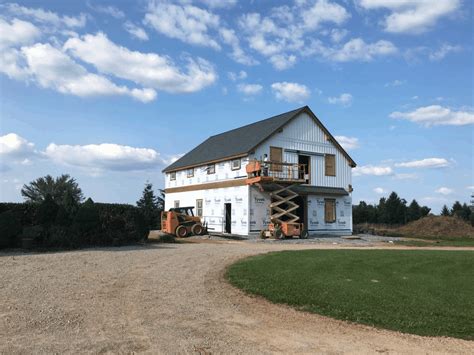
<point x="330" y="165"/>
<point x="276" y="156"/>
<point x="329" y="210"/>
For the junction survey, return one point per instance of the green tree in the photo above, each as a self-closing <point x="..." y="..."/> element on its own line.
<point x="445" y="211"/>
<point x="395" y="209"/>
<point x="58" y="188"/>
<point x="150" y="205"/>
<point x="413" y="211"/>
<point x="457" y="209"/>
<point x="425" y="210"/>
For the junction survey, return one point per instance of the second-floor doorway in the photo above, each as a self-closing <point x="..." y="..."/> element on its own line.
<point x="306" y="160"/>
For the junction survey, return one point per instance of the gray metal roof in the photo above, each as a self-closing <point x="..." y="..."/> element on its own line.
<point x="241" y="141"/>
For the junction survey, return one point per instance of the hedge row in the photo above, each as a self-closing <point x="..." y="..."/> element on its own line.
<point x="49" y="225"/>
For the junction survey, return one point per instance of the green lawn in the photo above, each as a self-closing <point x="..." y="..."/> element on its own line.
<point x="438" y="242"/>
<point x="414" y="291"/>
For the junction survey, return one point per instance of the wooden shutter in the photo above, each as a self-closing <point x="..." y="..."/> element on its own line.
<point x="330" y="165"/>
<point x="329" y="211"/>
<point x="276" y="156"/>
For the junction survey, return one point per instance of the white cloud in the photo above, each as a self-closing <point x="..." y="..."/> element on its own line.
<point x="425" y="163"/>
<point x="136" y="31"/>
<point x="324" y="11"/>
<point x="396" y="82"/>
<point x="100" y="157"/>
<point x="291" y="92"/>
<point x="443" y="51"/>
<point x="250" y="89"/>
<point x="379" y="190"/>
<point x="412" y="16"/>
<point x="53" y="69"/>
<point x="187" y="23"/>
<point x="47" y="17"/>
<point x="13" y="145"/>
<point x="337" y="35"/>
<point x="348" y="143"/>
<point x="108" y="10"/>
<point x="237" y="76"/>
<point x="219" y="3"/>
<point x="444" y="191"/>
<point x="470" y="187"/>
<point x="355" y="49"/>
<point x="229" y="37"/>
<point x="282" y="61"/>
<point x="17" y="32"/>
<point x="148" y="69"/>
<point x="344" y="99"/>
<point x="406" y="176"/>
<point x="372" y="170"/>
<point x="436" y="115"/>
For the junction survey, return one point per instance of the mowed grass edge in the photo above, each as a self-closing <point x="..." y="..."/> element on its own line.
<point x="422" y="292"/>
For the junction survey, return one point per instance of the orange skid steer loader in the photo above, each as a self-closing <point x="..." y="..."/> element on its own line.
<point x="181" y="222"/>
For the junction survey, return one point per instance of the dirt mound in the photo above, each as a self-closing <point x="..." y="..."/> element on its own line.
<point x="437" y="226"/>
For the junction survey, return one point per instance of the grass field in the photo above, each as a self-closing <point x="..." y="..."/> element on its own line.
<point x="415" y="291"/>
<point x="438" y="242"/>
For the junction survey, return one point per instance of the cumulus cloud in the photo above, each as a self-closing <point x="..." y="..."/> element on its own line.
<point x="15" y="146"/>
<point x="100" y="157"/>
<point x="355" y="49"/>
<point x="412" y="16"/>
<point x="17" y="32"/>
<point x="229" y="37"/>
<point x="444" y="191"/>
<point x="348" y="143"/>
<point x="324" y="11"/>
<point x="379" y="190"/>
<point x="148" y="69"/>
<point x="372" y="170"/>
<point x="343" y="99"/>
<point x="250" y="89"/>
<point x="237" y="76"/>
<point x="436" y="115"/>
<point x="282" y="61"/>
<point x="187" y="23"/>
<point x="51" y="68"/>
<point x="219" y="3"/>
<point x="135" y="31"/>
<point x="425" y="163"/>
<point x="291" y="92"/>
<point x="396" y="82"/>
<point x="46" y="17"/>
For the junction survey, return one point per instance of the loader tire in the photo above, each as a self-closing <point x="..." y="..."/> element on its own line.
<point x="197" y="229"/>
<point x="181" y="232"/>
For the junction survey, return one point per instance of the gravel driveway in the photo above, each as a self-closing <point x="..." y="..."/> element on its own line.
<point x="168" y="298"/>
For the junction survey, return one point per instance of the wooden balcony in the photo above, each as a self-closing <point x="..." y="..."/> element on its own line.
<point x="259" y="172"/>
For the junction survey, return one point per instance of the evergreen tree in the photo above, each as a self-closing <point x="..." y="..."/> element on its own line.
<point x="395" y="209"/>
<point x="413" y="211"/>
<point x="456" y="210"/>
<point x="150" y="205"/>
<point x="445" y="211"/>
<point x="425" y="211"/>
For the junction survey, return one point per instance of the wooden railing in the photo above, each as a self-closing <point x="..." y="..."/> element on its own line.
<point x="277" y="170"/>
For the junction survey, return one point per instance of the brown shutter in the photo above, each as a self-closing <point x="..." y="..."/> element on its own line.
<point x="276" y="156"/>
<point x="330" y="165"/>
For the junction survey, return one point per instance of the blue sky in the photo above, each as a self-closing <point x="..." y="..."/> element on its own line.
<point x="112" y="91"/>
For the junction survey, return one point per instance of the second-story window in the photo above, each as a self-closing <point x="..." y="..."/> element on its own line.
<point x="190" y="173"/>
<point x="330" y="165"/>
<point x="235" y="164"/>
<point x="211" y="169"/>
<point x="173" y="176"/>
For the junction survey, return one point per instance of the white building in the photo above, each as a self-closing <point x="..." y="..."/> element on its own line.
<point x="212" y="176"/>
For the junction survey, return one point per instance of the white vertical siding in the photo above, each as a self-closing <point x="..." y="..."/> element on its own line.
<point x="304" y="134"/>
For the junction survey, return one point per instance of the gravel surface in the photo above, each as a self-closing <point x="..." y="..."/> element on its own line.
<point x="169" y="298"/>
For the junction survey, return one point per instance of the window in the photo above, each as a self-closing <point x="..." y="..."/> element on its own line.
<point x="199" y="208"/>
<point x="190" y="172"/>
<point x="211" y="169"/>
<point x="235" y="164"/>
<point x="176" y="204"/>
<point x="276" y="156"/>
<point x="329" y="210"/>
<point x="330" y="165"/>
<point x="173" y="175"/>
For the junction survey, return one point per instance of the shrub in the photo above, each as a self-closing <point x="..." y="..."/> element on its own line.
<point x="86" y="221"/>
<point x="47" y="211"/>
<point x="10" y="229"/>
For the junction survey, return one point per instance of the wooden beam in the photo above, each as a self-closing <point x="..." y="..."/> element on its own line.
<point x="207" y="186"/>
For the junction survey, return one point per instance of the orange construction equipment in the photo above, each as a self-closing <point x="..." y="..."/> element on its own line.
<point x="181" y="222"/>
<point x="281" y="177"/>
